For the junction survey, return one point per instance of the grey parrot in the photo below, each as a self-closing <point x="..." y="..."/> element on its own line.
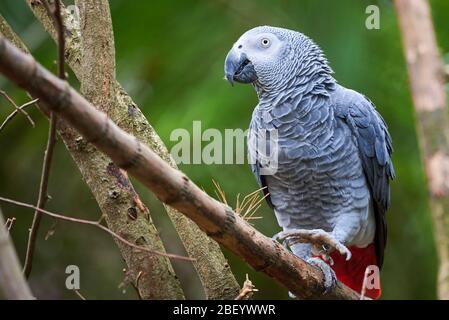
<point x="330" y="189"/>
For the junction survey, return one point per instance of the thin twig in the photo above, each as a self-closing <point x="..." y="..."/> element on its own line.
<point x="51" y="232"/>
<point x="137" y="284"/>
<point x="78" y="293"/>
<point x="94" y="224"/>
<point x="61" y="39"/>
<point x="18" y="109"/>
<point x="10" y="223"/>
<point x="247" y="291"/>
<point x="43" y="190"/>
<point x="16" y="112"/>
<point x="43" y="197"/>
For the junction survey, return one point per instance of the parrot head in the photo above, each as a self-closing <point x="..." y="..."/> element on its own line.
<point x="270" y="57"/>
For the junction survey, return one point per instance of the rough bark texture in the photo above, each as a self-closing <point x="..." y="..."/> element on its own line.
<point x="426" y="73"/>
<point x="98" y="85"/>
<point x="170" y="185"/>
<point x="212" y="267"/>
<point x="124" y="212"/>
<point x="13" y="285"/>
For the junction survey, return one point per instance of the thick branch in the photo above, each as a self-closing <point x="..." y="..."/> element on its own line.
<point x="212" y="267"/>
<point x="98" y="85"/>
<point x="13" y="285"/>
<point x="117" y="201"/>
<point x="426" y="72"/>
<point x="170" y="185"/>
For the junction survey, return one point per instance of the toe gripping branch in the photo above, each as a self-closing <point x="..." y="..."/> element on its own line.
<point x="323" y="244"/>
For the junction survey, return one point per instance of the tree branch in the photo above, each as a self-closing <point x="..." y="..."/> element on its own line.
<point x="116" y="201"/>
<point x="247" y="291"/>
<point x="48" y="157"/>
<point x="426" y="72"/>
<point x="98" y="85"/>
<point x="43" y="196"/>
<point x="18" y="109"/>
<point x="212" y="267"/>
<point x="13" y="285"/>
<point x="96" y="224"/>
<point x="16" y="112"/>
<point x="170" y="185"/>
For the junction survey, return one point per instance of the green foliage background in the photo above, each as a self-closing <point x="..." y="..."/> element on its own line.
<point x="170" y="58"/>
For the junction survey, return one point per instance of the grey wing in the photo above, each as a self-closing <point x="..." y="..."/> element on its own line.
<point x="261" y="182"/>
<point x="375" y="148"/>
<point x="255" y="165"/>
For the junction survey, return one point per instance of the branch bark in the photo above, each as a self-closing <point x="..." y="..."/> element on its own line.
<point x="13" y="285"/>
<point x="210" y="263"/>
<point x="170" y="185"/>
<point x="426" y="72"/>
<point x="117" y="200"/>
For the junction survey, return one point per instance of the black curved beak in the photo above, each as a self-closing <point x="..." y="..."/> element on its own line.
<point x="238" y="68"/>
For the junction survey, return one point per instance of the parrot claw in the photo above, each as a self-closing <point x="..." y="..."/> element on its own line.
<point x="323" y="253"/>
<point x="322" y="241"/>
<point x="277" y="236"/>
<point x="330" y="279"/>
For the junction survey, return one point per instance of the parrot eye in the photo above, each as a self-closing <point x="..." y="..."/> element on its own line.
<point x="265" y="42"/>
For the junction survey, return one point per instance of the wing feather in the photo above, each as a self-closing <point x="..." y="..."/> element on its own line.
<point x="375" y="148"/>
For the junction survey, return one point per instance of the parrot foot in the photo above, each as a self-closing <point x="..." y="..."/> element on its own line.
<point x="330" y="279"/>
<point x="278" y="237"/>
<point x="322" y="242"/>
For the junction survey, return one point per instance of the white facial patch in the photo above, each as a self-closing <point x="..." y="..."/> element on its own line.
<point x="259" y="47"/>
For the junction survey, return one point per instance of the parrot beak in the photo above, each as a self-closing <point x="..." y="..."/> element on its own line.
<point x="238" y="68"/>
